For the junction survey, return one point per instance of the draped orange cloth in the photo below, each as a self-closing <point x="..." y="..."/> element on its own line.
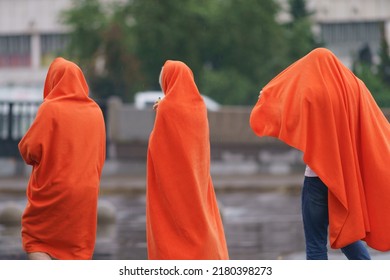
<point x="66" y="147"/>
<point x="183" y="219"/>
<point x="320" y="107"/>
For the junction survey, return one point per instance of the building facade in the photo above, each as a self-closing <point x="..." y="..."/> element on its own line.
<point x="350" y="27"/>
<point x="31" y="33"/>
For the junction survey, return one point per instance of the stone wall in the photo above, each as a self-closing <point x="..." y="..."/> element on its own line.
<point x="229" y="129"/>
<point x="234" y="146"/>
<point x="129" y="129"/>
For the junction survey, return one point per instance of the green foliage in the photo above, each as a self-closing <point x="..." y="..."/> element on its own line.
<point x="384" y="65"/>
<point x="379" y="90"/>
<point x="172" y="30"/>
<point x="233" y="48"/>
<point x="228" y="86"/>
<point x="103" y="44"/>
<point x="87" y="22"/>
<point x="246" y="38"/>
<point x="298" y="9"/>
<point x="376" y="77"/>
<point x="299" y="31"/>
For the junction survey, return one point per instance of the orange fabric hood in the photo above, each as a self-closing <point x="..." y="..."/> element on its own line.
<point x="183" y="219"/>
<point x="65" y="79"/>
<point x="65" y="146"/>
<point x="317" y="105"/>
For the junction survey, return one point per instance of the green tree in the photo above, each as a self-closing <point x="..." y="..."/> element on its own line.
<point x="383" y="95"/>
<point x="102" y="42"/>
<point x="230" y="57"/>
<point x="170" y="29"/>
<point x="246" y="48"/>
<point x="298" y="9"/>
<point x="299" y="30"/>
<point x="121" y="75"/>
<point x="233" y="48"/>
<point x="384" y="65"/>
<point x="378" y="88"/>
<point x="87" y="22"/>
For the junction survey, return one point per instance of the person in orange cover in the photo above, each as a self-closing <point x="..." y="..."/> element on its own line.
<point x="65" y="146"/>
<point x="182" y="214"/>
<point x="318" y="106"/>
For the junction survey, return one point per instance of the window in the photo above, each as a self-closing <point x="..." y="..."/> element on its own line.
<point x="15" y="51"/>
<point x="348" y="39"/>
<point x="352" y="32"/>
<point x="52" y="45"/>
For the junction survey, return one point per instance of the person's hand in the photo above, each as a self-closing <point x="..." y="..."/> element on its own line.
<point x="155" y="105"/>
<point x="260" y="93"/>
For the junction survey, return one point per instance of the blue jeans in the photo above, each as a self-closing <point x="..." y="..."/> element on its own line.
<point x="316" y="222"/>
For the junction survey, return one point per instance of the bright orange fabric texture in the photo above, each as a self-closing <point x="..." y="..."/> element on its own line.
<point x="66" y="147"/>
<point x="183" y="219"/>
<point x="320" y="107"/>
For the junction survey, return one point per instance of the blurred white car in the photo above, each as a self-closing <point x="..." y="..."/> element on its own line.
<point x="146" y="99"/>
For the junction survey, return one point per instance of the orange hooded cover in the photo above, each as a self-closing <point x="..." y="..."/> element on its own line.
<point x="66" y="147"/>
<point x="320" y="107"/>
<point x="183" y="219"/>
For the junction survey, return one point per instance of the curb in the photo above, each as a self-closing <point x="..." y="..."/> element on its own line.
<point x="137" y="183"/>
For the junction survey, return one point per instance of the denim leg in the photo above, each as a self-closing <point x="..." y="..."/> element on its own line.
<point x="315" y="218"/>
<point x="356" y="251"/>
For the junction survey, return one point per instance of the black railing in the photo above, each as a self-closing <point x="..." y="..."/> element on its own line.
<point x="15" y="119"/>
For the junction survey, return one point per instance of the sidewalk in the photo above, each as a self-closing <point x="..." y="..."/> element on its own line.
<point x="137" y="183"/>
<point x="253" y="205"/>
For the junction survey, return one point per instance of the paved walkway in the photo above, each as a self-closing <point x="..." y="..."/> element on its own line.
<point x="261" y="217"/>
<point x="137" y="183"/>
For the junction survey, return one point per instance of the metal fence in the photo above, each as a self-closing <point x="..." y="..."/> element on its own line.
<point x="15" y="119"/>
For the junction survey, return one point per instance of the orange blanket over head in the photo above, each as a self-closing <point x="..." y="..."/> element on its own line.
<point x="66" y="147"/>
<point x="183" y="219"/>
<point x="320" y="107"/>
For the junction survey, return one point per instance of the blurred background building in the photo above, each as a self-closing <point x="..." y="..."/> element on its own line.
<point x="31" y="33"/>
<point x="349" y="26"/>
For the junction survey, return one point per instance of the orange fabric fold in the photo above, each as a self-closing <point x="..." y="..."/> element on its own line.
<point x="183" y="218"/>
<point x="320" y="107"/>
<point x="66" y="147"/>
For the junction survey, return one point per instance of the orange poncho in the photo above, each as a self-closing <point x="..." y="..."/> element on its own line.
<point x="183" y="219"/>
<point x="320" y="107"/>
<point x="66" y="147"/>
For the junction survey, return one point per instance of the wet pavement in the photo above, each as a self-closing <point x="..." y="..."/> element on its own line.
<point x="261" y="216"/>
<point x="255" y="226"/>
